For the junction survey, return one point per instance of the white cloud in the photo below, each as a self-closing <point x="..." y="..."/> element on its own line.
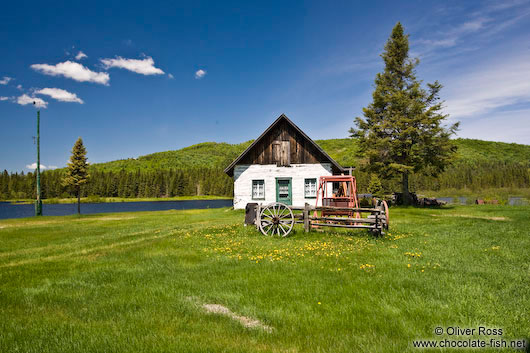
<point x="73" y="70"/>
<point x="482" y="25"/>
<point x="448" y="42"/>
<point x="80" y="56"/>
<point x="144" y="66"/>
<point x="471" y="26"/>
<point x="200" y="74"/>
<point x="60" y="95"/>
<point x="506" y="5"/>
<point x="493" y="85"/>
<point x="507" y="126"/>
<point x="4" y="98"/>
<point x="25" y="100"/>
<point x="508" y="22"/>
<point x="170" y="76"/>
<point x="19" y="87"/>
<point x="51" y="166"/>
<point x="33" y="166"/>
<point x="452" y="37"/>
<point x="5" y="80"/>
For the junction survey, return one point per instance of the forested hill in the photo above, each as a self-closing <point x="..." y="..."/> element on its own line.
<point x="198" y="170"/>
<point x="202" y="155"/>
<point x="479" y="150"/>
<point x="344" y="151"/>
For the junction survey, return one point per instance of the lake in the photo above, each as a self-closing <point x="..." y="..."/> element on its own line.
<point x="9" y="210"/>
<point x="462" y="200"/>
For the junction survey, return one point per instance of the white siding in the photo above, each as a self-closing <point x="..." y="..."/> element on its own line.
<point x="244" y="174"/>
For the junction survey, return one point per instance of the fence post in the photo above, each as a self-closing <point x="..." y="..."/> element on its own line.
<point x="258" y="216"/>
<point x="377" y="230"/>
<point x="307" y="223"/>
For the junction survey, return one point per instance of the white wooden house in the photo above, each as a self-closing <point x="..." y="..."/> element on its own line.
<point x="282" y="165"/>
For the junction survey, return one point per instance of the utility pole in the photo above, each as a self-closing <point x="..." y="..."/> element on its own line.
<point x="38" y="203"/>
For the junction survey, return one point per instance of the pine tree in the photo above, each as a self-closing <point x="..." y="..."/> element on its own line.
<point x="402" y="131"/>
<point x="4" y="185"/>
<point x="375" y="187"/>
<point x="77" y="171"/>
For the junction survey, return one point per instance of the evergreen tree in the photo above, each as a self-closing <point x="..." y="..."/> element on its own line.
<point x="77" y="171"/>
<point x="402" y="131"/>
<point x="375" y="187"/>
<point x="4" y="185"/>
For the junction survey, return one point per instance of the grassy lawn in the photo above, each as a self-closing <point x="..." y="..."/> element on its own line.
<point x="138" y="282"/>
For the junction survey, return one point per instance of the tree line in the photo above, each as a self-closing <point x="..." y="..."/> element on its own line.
<point x="140" y="184"/>
<point x="473" y="175"/>
<point x="477" y="175"/>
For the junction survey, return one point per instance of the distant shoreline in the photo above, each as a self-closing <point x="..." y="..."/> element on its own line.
<point x="116" y="199"/>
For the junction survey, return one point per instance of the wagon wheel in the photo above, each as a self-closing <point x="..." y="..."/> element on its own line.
<point x="387" y="213"/>
<point x="276" y="218"/>
<point x="382" y="206"/>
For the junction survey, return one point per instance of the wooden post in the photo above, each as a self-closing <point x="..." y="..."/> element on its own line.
<point x="377" y="223"/>
<point x="307" y="223"/>
<point x="258" y="215"/>
<point x="38" y="204"/>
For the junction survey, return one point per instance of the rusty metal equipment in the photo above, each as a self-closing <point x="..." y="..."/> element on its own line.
<point x="337" y="191"/>
<point x="338" y="205"/>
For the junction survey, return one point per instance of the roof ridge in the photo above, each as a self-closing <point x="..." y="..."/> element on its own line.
<point x="284" y="117"/>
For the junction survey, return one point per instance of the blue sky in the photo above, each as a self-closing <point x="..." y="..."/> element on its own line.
<point x="161" y="76"/>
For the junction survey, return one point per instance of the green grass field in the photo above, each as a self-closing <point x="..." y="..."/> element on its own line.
<point x="139" y="282"/>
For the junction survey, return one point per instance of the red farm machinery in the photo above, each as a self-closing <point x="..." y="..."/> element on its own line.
<point x="337" y="205"/>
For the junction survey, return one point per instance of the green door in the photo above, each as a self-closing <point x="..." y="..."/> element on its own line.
<point x="284" y="191"/>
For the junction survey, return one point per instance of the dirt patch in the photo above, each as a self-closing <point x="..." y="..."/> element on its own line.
<point x="469" y="216"/>
<point x="244" y="320"/>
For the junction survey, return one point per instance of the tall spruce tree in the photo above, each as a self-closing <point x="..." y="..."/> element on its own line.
<point x="77" y="171"/>
<point x="402" y="131"/>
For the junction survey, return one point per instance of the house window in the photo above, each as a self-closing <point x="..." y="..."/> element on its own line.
<point x="310" y="188"/>
<point x="258" y="189"/>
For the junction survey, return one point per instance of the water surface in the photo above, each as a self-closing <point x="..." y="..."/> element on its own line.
<point x="9" y="210"/>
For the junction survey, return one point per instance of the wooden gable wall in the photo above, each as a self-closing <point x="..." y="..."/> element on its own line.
<point x="283" y="138"/>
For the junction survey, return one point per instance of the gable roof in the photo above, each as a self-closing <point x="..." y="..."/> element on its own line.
<point x="230" y="169"/>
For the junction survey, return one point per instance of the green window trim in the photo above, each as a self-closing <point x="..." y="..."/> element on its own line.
<point x="256" y="182"/>
<point x="305" y="189"/>
<point x="289" y="199"/>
